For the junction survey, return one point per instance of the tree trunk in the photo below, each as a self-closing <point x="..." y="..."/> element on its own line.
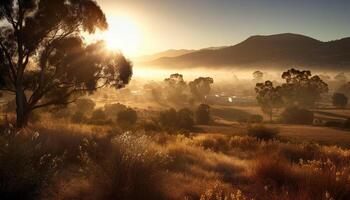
<point x="21" y="110"/>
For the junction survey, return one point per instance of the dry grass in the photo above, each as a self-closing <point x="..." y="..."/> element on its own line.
<point x="99" y="163"/>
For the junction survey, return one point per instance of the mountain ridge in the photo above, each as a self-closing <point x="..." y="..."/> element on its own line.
<point x="287" y="49"/>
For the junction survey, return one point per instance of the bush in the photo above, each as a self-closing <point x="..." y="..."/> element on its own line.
<point x="128" y="116"/>
<point x="123" y="167"/>
<point x="181" y="120"/>
<point x="149" y="126"/>
<point x="203" y="114"/>
<point x="262" y="133"/>
<point x="185" y="119"/>
<point x="339" y="100"/>
<point x="112" y="110"/>
<point x="25" y="166"/>
<point x="295" y="115"/>
<point x="98" y="117"/>
<point x="168" y="118"/>
<point x="85" y="105"/>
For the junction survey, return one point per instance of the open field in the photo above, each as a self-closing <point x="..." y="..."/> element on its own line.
<point x="296" y="133"/>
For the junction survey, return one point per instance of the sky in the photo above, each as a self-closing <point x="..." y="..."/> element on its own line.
<point x="195" y="24"/>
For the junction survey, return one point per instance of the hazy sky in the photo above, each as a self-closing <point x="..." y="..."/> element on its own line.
<point x="194" y="24"/>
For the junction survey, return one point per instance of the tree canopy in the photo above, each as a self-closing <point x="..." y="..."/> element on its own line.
<point x="268" y="97"/>
<point x="43" y="58"/>
<point x="200" y="87"/>
<point x="301" y="88"/>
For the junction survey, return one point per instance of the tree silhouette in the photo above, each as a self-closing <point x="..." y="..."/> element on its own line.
<point x="175" y="88"/>
<point x="200" y="87"/>
<point x="43" y="59"/>
<point x="202" y="114"/>
<point x="301" y="88"/>
<point x="339" y="100"/>
<point x="268" y="97"/>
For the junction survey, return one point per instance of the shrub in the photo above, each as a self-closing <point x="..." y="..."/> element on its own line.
<point x="98" y="117"/>
<point x="203" y="114"/>
<point x="185" y="120"/>
<point x="295" y="115"/>
<point x="149" y="126"/>
<point x="275" y="172"/>
<point x="168" y="118"/>
<point x="181" y="120"/>
<point x="262" y="132"/>
<point x="128" y="116"/>
<point x="112" y="110"/>
<point x="339" y="100"/>
<point x="85" y="105"/>
<point x="123" y="167"/>
<point x="25" y="166"/>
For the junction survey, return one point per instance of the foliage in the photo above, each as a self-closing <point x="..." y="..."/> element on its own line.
<point x="175" y="88"/>
<point x="344" y="89"/>
<point x="85" y="105"/>
<point x="66" y="163"/>
<point x="268" y="97"/>
<point x="301" y="88"/>
<point x="43" y="59"/>
<point x="202" y="114"/>
<point x="262" y="132"/>
<point x="25" y="167"/>
<point x="339" y="100"/>
<point x="200" y="88"/>
<point x="296" y="115"/>
<point x="168" y="118"/>
<point x="122" y="167"/>
<point x="177" y="120"/>
<point x="185" y="120"/>
<point x="98" y="117"/>
<point x="128" y="116"/>
<point x="112" y="110"/>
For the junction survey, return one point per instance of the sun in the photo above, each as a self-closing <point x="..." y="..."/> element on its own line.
<point x="122" y="35"/>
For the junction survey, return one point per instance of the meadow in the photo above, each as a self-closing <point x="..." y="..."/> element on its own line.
<point x="97" y="162"/>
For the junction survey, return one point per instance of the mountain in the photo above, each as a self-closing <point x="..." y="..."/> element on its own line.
<point x="169" y="53"/>
<point x="281" y="50"/>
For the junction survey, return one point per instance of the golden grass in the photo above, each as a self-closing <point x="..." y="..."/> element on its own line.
<point x="100" y="163"/>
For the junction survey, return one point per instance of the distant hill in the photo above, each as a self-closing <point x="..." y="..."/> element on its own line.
<point x="169" y="53"/>
<point x="282" y="50"/>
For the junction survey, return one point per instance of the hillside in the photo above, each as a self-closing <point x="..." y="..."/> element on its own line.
<point x="169" y="53"/>
<point x="282" y="50"/>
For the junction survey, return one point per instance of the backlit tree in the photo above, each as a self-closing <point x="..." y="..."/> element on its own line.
<point x="43" y="58"/>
